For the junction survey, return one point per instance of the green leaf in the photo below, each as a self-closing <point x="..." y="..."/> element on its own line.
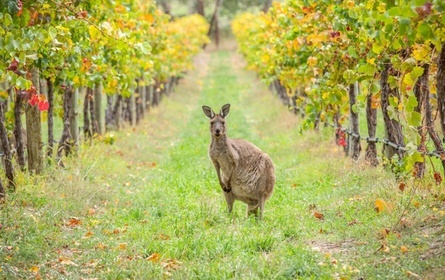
<point x="377" y="48"/>
<point x="367" y="69"/>
<point x="419" y="2"/>
<point x="33" y="56"/>
<point x="417" y="72"/>
<point x="352" y="53"/>
<point x="425" y="31"/>
<point x="23" y="83"/>
<point x="395" y="11"/>
<point x="375" y="87"/>
<point x="52" y="32"/>
<point x="409" y="64"/>
<point x="392" y="81"/>
<point x="7" y="20"/>
<point x="411" y="104"/>
<point x="415" y="119"/>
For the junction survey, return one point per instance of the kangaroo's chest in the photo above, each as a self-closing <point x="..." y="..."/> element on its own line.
<point x="225" y="160"/>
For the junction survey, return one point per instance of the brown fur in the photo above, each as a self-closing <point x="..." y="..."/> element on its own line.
<point x="244" y="172"/>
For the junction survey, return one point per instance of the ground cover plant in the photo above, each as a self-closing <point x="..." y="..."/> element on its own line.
<point x="149" y="205"/>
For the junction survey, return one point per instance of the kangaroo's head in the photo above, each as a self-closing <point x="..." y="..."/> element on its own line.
<point x="217" y="121"/>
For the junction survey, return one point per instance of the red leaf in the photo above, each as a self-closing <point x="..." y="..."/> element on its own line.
<point x="318" y="215"/>
<point x="341" y="142"/>
<point x="437" y="178"/>
<point x="34" y="100"/>
<point x="43" y="105"/>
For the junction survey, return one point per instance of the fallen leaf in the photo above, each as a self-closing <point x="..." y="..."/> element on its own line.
<point x="101" y="246"/>
<point x="89" y="234"/>
<point x="66" y="261"/>
<point x="381" y="205"/>
<point x="154" y="257"/>
<point x="163" y="237"/>
<point x="404" y="249"/>
<point x="383" y="233"/>
<point x="122" y="246"/>
<point x="318" y="215"/>
<point x="402" y="186"/>
<point x="91" y="211"/>
<point x="34" y="269"/>
<point x="412" y="274"/>
<point x="353" y="222"/>
<point x="73" y="222"/>
<point x="437" y="178"/>
<point x="171" y="264"/>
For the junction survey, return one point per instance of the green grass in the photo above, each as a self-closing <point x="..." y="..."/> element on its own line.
<point x="149" y="206"/>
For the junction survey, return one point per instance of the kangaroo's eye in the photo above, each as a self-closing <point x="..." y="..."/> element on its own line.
<point x="223" y="123"/>
<point x="211" y="123"/>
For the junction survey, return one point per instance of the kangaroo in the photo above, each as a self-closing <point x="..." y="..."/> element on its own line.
<point x="244" y="172"/>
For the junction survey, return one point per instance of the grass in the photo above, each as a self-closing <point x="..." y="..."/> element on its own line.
<point x="149" y="206"/>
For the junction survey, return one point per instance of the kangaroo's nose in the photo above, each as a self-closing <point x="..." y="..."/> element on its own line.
<point x="217" y="131"/>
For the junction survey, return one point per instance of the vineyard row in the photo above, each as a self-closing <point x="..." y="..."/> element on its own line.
<point x="334" y="61"/>
<point x="55" y="53"/>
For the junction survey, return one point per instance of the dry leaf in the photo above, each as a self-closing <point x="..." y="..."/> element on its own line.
<point x="122" y="246"/>
<point x="318" y="215"/>
<point x="381" y="205"/>
<point x="171" y="264"/>
<point x="412" y="274"/>
<point x="89" y="234"/>
<point x="383" y="233"/>
<point x="353" y="222"/>
<point x="404" y="249"/>
<point x="73" y="222"/>
<point x="66" y="261"/>
<point x="154" y="257"/>
<point x="34" y="269"/>
<point x="402" y="186"/>
<point x="163" y="237"/>
<point x="91" y="211"/>
<point x="101" y="246"/>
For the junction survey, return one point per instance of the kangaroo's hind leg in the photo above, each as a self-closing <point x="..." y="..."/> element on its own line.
<point x="252" y="210"/>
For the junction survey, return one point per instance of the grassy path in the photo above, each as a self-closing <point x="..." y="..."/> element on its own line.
<point x="149" y="206"/>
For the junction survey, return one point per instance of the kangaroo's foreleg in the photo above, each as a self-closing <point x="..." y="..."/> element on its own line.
<point x="218" y="172"/>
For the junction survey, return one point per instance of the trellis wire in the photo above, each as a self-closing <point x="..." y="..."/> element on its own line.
<point x="384" y="141"/>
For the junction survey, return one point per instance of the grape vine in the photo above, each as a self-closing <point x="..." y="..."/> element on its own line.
<point x="332" y="59"/>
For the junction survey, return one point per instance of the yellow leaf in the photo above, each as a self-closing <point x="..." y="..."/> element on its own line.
<point x="311" y="61"/>
<point x="408" y="80"/>
<point x="381" y="8"/>
<point x="381" y="205"/>
<point x="93" y="31"/>
<point x="101" y="246"/>
<point x="404" y="249"/>
<point x="371" y="61"/>
<point x="421" y="51"/>
<point x="154" y="257"/>
<point x="34" y="269"/>
<point x="66" y="261"/>
<point x="149" y="18"/>
<point x="265" y="58"/>
<point x="122" y="246"/>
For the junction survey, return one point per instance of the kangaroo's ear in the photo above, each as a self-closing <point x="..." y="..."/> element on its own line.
<point x="208" y="112"/>
<point x="225" y="110"/>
